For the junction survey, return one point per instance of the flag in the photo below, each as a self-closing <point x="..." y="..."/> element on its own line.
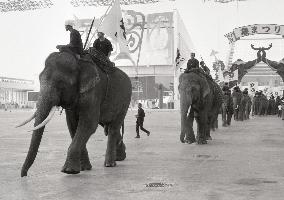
<point x="113" y="27"/>
<point x="182" y="53"/>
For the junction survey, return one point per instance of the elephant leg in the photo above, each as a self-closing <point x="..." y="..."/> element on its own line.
<point x="224" y="116"/>
<point x="229" y="118"/>
<point x="87" y="124"/>
<point x="189" y="134"/>
<point x="72" y="123"/>
<point x="210" y="123"/>
<point x="110" y="156"/>
<point x="202" y="127"/>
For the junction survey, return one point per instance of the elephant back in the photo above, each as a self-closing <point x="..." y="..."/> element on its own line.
<point x="218" y="96"/>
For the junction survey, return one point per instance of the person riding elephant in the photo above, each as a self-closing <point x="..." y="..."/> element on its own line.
<point x="75" y="45"/>
<point x="90" y="98"/>
<point x="199" y="98"/>
<point x="237" y="97"/>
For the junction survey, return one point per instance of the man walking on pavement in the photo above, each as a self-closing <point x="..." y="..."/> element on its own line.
<point x="140" y="120"/>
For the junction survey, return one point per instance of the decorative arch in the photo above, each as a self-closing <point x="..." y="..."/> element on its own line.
<point x="243" y="67"/>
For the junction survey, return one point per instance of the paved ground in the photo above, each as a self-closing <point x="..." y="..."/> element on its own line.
<point x="242" y="162"/>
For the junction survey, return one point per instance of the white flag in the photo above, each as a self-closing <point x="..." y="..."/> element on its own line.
<point x="113" y="27"/>
<point x="182" y="54"/>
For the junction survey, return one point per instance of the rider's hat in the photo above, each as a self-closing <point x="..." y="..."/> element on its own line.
<point x="69" y="23"/>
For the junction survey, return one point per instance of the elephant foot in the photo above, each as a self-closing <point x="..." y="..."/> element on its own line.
<point x="110" y="163"/>
<point x="85" y="166"/>
<point x="208" y="138"/>
<point x="69" y="170"/>
<point x="71" y="167"/>
<point x="224" y="125"/>
<point x="201" y="141"/>
<point x="120" y="152"/>
<point x="190" y="141"/>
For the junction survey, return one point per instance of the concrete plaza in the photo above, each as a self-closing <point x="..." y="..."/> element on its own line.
<point x="244" y="161"/>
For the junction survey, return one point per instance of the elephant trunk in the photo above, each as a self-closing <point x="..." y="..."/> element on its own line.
<point x="43" y="110"/>
<point x="185" y="106"/>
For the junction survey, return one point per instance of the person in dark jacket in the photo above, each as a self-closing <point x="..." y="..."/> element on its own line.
<point x="103" y="45"/>
<point x="140" y="120"/>
<point x="192" y="63"/>
<point x="204" y="67"/>
<point x="75" y="44"/>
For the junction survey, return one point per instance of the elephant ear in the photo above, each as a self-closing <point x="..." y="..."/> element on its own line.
<point x="205" y="89"/>
<point x="89" y="76"/>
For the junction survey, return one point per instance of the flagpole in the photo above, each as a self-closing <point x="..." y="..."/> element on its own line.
<point x="102" y="18"/>
<point x="89" y="33"/>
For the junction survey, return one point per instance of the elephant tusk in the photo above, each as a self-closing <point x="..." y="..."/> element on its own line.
<point x="27" y="121"/>
<point x="49" y="117"/>
<point x="188" y="111"/>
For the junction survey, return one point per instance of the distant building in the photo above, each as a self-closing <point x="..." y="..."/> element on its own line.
<point x="14" y="91"/>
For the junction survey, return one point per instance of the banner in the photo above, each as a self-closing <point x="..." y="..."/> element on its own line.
<point x="237" y="33"/>
<point x="113" y="27"/>
<point x="182" y="54"/>
<point x="252" y="87"/>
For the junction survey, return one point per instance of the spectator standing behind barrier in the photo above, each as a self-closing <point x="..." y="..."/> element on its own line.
<point x="140" y="120"/>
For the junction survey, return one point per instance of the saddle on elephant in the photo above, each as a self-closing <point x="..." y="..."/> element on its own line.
<point x="101" y="60"/>
<point x="92" y="55"/>
<point x="200" y="72"/>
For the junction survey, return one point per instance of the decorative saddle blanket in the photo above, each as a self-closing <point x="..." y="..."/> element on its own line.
<point x="102" y="61"/>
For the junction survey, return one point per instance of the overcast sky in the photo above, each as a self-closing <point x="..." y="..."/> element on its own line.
<point x="28" y="37"/>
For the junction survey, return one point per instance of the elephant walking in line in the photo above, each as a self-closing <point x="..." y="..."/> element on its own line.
<point x="246" y="102"/>
<point x="200" y="98"/>
<point x="227" y="109"/>
<point x="90" y="97"/>
<point x="237" y="98"/>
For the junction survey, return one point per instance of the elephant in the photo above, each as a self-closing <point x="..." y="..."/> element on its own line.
<point x="237" y="98"/>
<point x="263" y="105"/>
<point x="90" y="97"/>
<point x="201" y="99"/>
<point x="227" y="109"/>
<point x="245" y="106"/>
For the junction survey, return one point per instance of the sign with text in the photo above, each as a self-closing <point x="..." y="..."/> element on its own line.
<point x="237" y="33"/>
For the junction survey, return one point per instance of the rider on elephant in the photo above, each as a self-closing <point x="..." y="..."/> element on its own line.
<point x="204" y="68"/>
<point x="103" y="45"/>
<point x="192" y="63"/>
<point x="75" y="45"/>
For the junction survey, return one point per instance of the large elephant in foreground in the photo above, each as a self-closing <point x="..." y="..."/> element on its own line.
<point x="90" y="97"/>
<point x="200" y="98"/>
